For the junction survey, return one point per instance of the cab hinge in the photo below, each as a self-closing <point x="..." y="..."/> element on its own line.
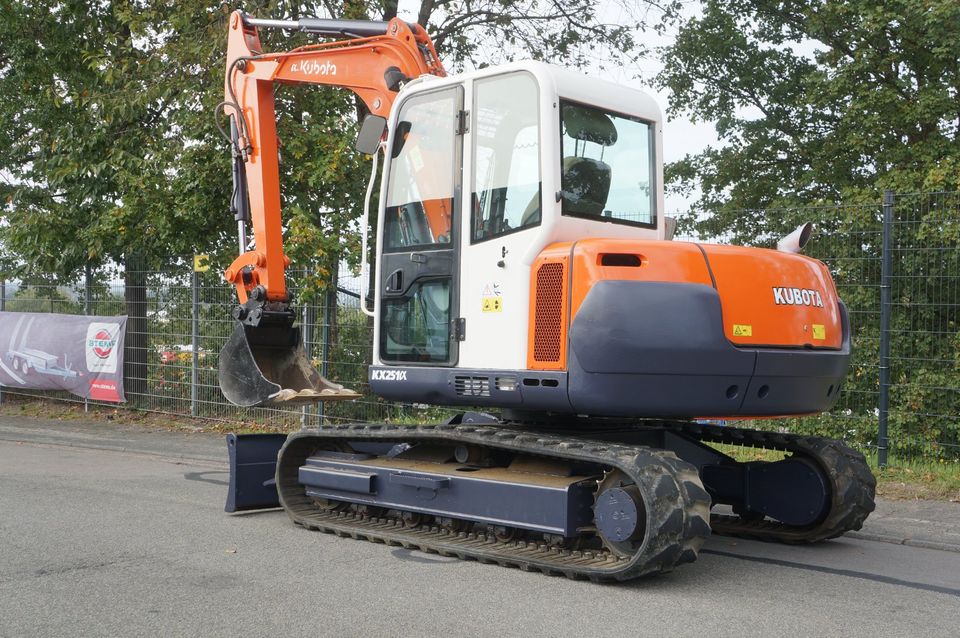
<point x="463" y="122"/>
<point x="458" y="329"/>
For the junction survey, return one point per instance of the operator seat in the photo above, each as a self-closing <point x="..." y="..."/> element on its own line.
<point x="586" y="181"/>
<point x="586" y="185"/>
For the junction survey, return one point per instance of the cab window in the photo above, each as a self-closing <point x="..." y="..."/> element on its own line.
<point x="607" y="166"/>
<point x="419" y="199"/>
<point x="506" y="156"/>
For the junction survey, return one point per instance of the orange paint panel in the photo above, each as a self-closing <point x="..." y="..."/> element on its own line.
<point x="773" y="298"/>
<point x="768" y="298"/>
<point x="547" y="323"/>
<point x="634" y="260"/>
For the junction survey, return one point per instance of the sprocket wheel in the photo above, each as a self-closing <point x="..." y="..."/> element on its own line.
<point x="619" y="514"/>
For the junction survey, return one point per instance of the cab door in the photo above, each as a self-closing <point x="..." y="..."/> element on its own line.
<point x="503" y="221"/>
<point x="419" y="261"/>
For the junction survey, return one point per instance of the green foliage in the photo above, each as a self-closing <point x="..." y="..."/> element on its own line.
<point x="109" y="143"/>
<point x="37" y="297"/>
<point x="820" y="102"/>
<point x="816" y="101"/>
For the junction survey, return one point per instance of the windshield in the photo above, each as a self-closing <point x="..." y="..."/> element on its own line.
<point x="419" y="201"/>
<point x="608" y="166"/>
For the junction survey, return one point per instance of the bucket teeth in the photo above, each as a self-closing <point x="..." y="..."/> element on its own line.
<point x="287" y="395"/>
<point x="267" y="365"/>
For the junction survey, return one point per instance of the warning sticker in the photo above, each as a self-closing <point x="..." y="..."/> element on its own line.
<point x="742" y="330"/>
<point x="492" y="297"/>
<point x="493" y="304"/>
<point x="819" y="331"/>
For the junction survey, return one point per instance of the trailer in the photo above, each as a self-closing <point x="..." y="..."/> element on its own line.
<point x="27" y="360"/>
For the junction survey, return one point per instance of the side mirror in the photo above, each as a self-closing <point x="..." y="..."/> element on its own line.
<point x="371" y="132"/>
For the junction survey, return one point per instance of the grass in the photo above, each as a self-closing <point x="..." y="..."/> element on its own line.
<point x="74" y="411"/>
<point x="902" y="479"/>
<point x="923" y="479"/>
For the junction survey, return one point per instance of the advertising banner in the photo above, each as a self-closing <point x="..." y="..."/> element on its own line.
<point x="77" y="353"/>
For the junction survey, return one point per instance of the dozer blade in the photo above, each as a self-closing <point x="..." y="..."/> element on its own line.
<point x="266" y="365"/>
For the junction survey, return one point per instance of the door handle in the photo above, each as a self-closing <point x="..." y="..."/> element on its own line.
<point x="394" y="281"/>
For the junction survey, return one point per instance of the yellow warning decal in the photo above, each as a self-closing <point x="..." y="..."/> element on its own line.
<point x="742" y="330"/>
<point x="201" y="263"/>
<point x="819" y="332"/>
<point x="493" y="304"/>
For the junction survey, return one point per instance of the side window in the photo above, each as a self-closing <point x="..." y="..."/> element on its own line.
<point x="419" y="206"/>
<point x="608" y="166"/>
<point x="416" y="328"/>
<point x="506" y="160"/>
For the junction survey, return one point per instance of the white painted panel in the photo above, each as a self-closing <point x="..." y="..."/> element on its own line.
<point x="499" y="339"/>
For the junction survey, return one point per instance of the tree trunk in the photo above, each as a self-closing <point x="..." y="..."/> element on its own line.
<point x="136" y="344"/>
<point x="333" y="324"/>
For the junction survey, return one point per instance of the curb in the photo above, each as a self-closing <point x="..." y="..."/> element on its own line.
<point x="909" y="542"/>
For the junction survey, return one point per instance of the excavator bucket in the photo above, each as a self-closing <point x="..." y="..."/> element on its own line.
<point x="266" y="365"/>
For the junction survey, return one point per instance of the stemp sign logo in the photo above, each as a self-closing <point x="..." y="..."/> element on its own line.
<point x="101" y="347"/>
<point x="103" y="343"/>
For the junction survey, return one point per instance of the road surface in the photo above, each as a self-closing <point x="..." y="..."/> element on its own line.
<point x="121" y="542"/>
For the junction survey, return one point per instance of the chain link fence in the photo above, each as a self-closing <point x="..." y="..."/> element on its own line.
<point x="172" y="356"/>
<point x="896" y="265"/>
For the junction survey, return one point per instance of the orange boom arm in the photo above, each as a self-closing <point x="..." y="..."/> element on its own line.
<point x="373" y="66"/>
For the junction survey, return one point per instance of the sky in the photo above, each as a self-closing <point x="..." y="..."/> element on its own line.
<point x="680" y="135"/>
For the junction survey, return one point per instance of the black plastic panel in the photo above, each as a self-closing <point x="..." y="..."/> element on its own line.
<point x="644" y="349"/>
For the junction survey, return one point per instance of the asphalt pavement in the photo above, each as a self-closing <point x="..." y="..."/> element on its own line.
<point x="110" y="530"/>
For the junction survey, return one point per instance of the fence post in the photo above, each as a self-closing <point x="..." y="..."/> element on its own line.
<point x="329" y="307"/>
<point x="87" y="308"/>
<point x="309" y="319"/>
<point x="194" y="339"/>
<point x="3" y="306"/>
<point x="885" y="308"/>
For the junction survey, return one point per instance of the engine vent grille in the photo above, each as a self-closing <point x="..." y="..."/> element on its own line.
<point x="548" y="320"/>
<point x="472" y="386"/>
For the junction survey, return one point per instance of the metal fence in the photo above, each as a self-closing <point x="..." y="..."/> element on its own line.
<point x="896" y="264"/>
<point x="188" y="319"/>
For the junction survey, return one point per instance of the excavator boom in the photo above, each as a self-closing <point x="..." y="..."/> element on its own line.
<point x="263" y="361"/>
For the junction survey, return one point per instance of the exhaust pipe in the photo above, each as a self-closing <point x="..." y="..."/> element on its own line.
<point x="795" y="241"/>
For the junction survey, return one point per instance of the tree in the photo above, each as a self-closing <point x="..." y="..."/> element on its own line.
<point x="816" y="100"/>
<point x="108" y="147"/>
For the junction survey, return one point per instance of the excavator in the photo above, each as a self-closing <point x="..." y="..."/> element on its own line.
<point x="525" y="271"/>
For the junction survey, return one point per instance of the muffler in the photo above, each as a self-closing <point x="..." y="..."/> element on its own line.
<point x="266" y="365"/>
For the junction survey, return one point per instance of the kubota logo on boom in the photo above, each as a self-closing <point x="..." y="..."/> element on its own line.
<point x="312" y="67"/>
<point x="797" y="297"/>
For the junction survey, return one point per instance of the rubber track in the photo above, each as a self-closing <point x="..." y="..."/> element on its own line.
<point x="676" y="503"/>
<point x="852" y="484"/>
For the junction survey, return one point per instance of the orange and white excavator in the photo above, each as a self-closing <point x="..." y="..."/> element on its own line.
<point x="525" y="270"/>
